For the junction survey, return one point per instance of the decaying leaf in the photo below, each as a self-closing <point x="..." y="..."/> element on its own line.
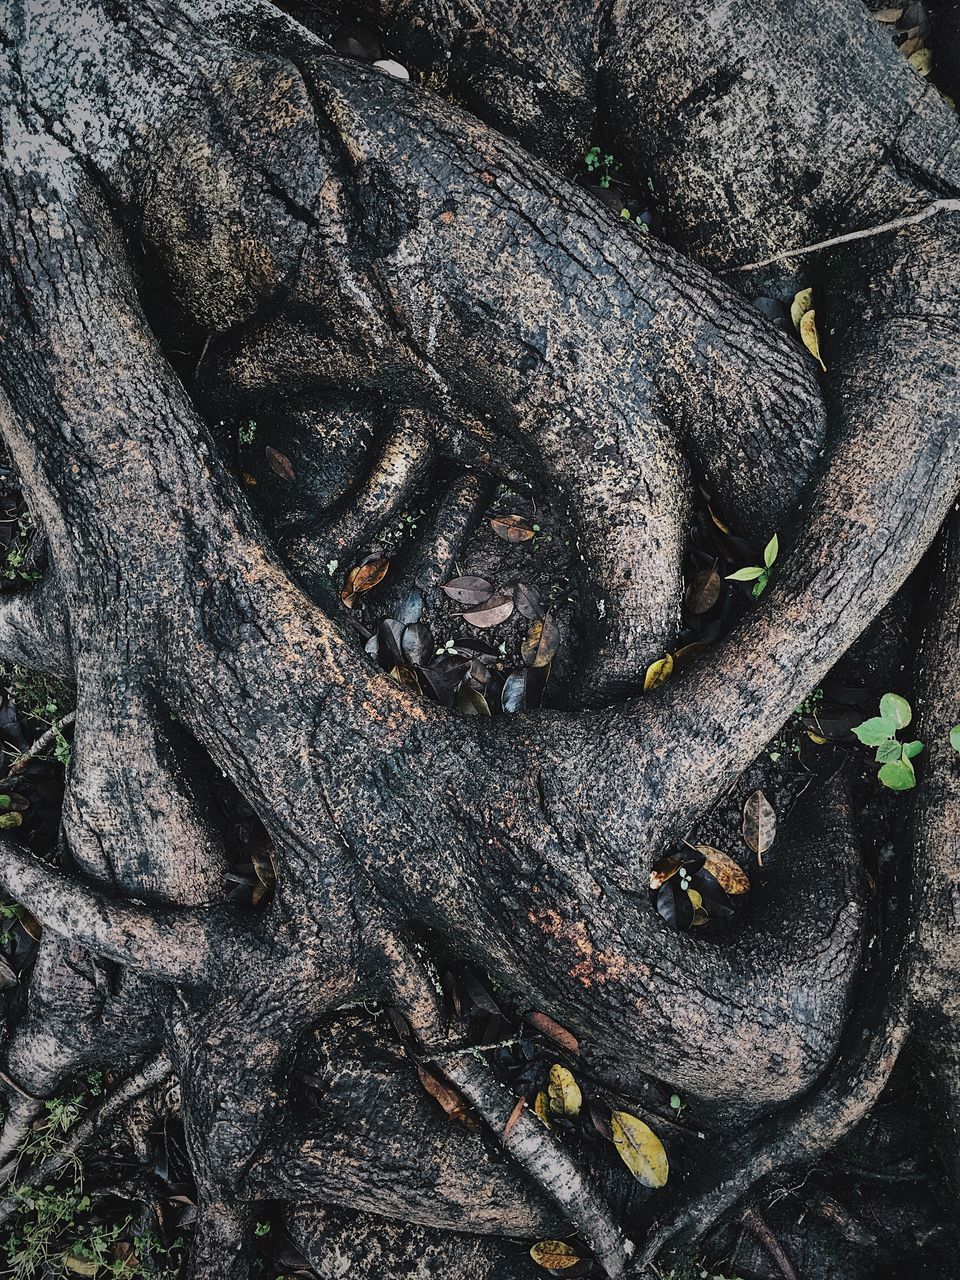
<point x="261" y="857"/>
<point x="449" y="1099"/>
<point x="543" y="1023"/>
<point x="528" y="601"/>
<point x="8" y="977"/>
<point x="406" y="678"/>
<point x="81" y="1266"/>
<point x="513" y="1118"/>
<point x="703" y="592"/>
<point x="363" y="577"/>
<point x="640" y="1149"/>
<point x="729" y="874"/>
<point x="922" y="62"/>
<point x="514" y="695"/>
<point x="540" y="643"/>
<point x="658" y="673"/>
<point x="512" y="528"/>
<point x="280" y="464"/>
<point x="759" y="824"/>
<point x="554" y="1255"/>
<point x="688" y="653"/>
<point x="801" y="304"/>
<point x="888" y="15"/>
<point x="810" y="337"/>
<point x="564" y="1092"/>
<point x="468" y="590"/>
<point x="30" y="925"/>
<point x="470" y="702"/>
<point x="541" y="1106"/>
<point x="496" y="610"/>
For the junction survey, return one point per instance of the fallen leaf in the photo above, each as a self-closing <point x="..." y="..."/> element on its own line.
<point x="564" y="1092"/>
<point x="264" y="869"/>
<point x="468" y="590"/>
<point x="543" y="1023"/>
<point x="540" y="643"/>
<point x="448" y="1098"/>
<point x="514" y="695"/>
<point x="512" y="528"/>
<point x="717" y="521"/>
<point x="888" y="15"/>
<point x="416" y="643"/>
<point x="759" y="824"/>
<point x="685" y="655"/>
<point x="81" y="1266"/>
<point x="801" y="304"/>
<point x="514" y="1116"/>
<point x="722" y="867"/>
<point x="30" y="925"/>
<point x="554" y="1255"/>
<point x="541" y="1106"/>
<point x="362" y="578"/>
<point x="406" y="678"/>
<point x="809" y="336"/>
<point x="640" y="1149"/>
<point x="496" y="610"/>
<point x="703" y="592"/>
<point x="8" y="977"/>
<point x="280" y="464"/>
<point x="470" y="702"/>
<point x="528" y="601"/>
<point x="657" y="673"/>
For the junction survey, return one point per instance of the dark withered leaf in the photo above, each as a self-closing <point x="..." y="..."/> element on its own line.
<point x="528" y="601"/>
<point x="444" y="677"/>
<point x="470" y="702"/>
<point x="417" y="644"/>
<point x="280" y="464"/>
<point x="703" y="592"/>
<point x="363" y="577"/>
<point x="514" y="696"/>
<point x="550" y="1027"/>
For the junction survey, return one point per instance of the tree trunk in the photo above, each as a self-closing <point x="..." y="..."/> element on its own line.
<point x="402" y="301"/>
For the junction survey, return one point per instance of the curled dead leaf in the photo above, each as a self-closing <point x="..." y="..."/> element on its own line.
<point x="541" y="1106"/>
<point x="496" y="610"/>
<point x="922" y="62"/>
<point x="363" y="577"/>
<point x="513" y="1118"/>
<point x="801" y="304"/>
<point x="512" y="528"/>
<point x="449" y="1099"/>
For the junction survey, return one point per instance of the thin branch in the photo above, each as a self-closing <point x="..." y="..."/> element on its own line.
<point x="895" y="224"/>
<point x="45" y="740"/>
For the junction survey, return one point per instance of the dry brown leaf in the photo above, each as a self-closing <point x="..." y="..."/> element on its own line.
<point x="759" y="824"/>
<point x="922" y="62"/>
<point x="515" y="1114"/>
<point x="688" y="653"/>
<point x="512" y="528"/>
<point x="362" y="578"/>
<point x="496" y="610"/>
<point x="888" y="15"/>
<point x="657" y="673"/>
<point x="248" y="479"/>
<point x="640" y="1149"/>
<point x="469" y="590"/>
<point x="664" y="870"/>
<point x="280" y="464"/>
<point x="541" y="642"/>
<point x="546" y="1026"/>
<point x="564" y="1092"/>
<point x="31" y="925"/>
<point x="541" y="1106"/>
<point x="554" y="1255"/>
<point x="729" y="874"/>
<point x="912" y="43"/>
<point x="448" y="1098"/>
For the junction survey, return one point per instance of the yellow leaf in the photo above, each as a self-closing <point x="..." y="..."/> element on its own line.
<point x="541" y="1107"/>
<point x="801" y="304"/>
<point x="81" y="1266"/>
<point x="554" y="1255"/>
<point x="640" y="1149"/>
<point x="696" y="899"/>
<point x="729" y="874"/>
<point x="816" y="737"/>
<point x="657" y="673"/>
<point x="922" y="62"/>
<point x="564" y="1092"/>
<point x="808" y="334"/>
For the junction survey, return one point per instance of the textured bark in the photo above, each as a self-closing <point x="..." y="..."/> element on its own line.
<point x="392" y="285"/>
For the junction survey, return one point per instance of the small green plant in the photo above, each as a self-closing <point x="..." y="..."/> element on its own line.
<point x="601" y="164"/>
<point x="16" y="553"/>
<point x="248" y="431"/>
<point x="955" y="737"/>
<point x="759" y="574"/>
<point x="894" y="757"/>
<point x="262" y="1229"/>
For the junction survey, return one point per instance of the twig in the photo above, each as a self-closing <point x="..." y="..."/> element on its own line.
<point x="896" y="224"/>
<point x="45" y="740"/>
<point x="759" y="1228"/>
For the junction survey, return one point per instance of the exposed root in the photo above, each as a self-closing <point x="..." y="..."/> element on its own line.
<point x="42" y="744"/>
<point x="140" y="1082"/>
<point x="33" y="630"/>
